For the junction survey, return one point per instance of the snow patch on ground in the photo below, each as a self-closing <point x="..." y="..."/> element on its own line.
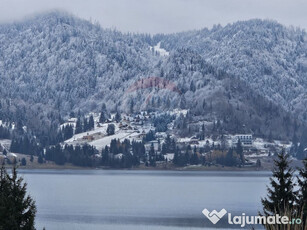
<point x="6" y="143"/>
<point x="102" y="130"/>
<point x="261" y="144"/>
<point x="169" y="156"/>
<point x="103" y="142"/>
<point x="258" y="155"/>
<point x="177" y="112"/>
<point x="102" y="139"/>
<point x="12" y="155"/>
<point x="160" y="50"/>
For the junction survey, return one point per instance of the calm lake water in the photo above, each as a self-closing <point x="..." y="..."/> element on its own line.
<point x="107" y="199"/>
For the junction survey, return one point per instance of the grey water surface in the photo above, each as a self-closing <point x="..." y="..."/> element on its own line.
<point x="127" y="199"/>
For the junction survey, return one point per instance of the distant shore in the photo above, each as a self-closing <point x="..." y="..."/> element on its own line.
<point x="267" y="165"/>
<point x="142" y="168"/>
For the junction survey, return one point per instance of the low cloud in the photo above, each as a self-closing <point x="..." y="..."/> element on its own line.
<point x="160" y="16"/>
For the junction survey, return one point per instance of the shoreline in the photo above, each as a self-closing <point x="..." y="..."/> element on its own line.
<point x="267" y="166"/>
<point x="144" y="168"/>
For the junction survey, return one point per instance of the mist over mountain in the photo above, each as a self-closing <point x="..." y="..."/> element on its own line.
<point x="250" y="76"/>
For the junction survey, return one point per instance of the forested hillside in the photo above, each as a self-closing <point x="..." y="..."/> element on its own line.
<point x="265" y="54"/>
<point x="55" y="63"/>
<point x="249" y="76"/>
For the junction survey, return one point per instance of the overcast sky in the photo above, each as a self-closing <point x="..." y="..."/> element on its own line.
<point x="163" y="16"/>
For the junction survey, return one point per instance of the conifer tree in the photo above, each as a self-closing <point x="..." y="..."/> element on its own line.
<point x="230" y="158"/>
<point x="17" y="209"/>
<point x="281" y="194"/>
<point x="111" y="129"/>
<point x="103" y="114"/>
<point x="67" y="132"/>
<point x="302" y="181"/>
<point x="239" y="151"/>
<point x="91" y="123"/>
<point x="117" y="117"/>
<point x="105" y="156"/>
<point x="79" y="127"/>
<point x="258" y="163"/>
<point x="131" y="106"/>
<point x="176" y="156"/>
<point x="202" y="135"/>
<point x="40" y="159"/>
<point x="152" y="149"/>
<point x="85" y="125"/>
<point x="102" y="117"/>
<point x="194" y="159"/>
<point x="23" y="161"/>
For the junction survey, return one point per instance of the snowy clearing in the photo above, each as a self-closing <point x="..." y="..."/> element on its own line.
<point x="160" y="50"/>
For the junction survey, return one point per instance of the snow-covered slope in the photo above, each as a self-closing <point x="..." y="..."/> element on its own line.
<point x="157" y="48"/>
<point x="268" y="56"/>
<point x="55" y="63"/>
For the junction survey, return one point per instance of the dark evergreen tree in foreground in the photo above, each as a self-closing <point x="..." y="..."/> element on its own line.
<point x="283" y="200"/>
<point x="302" y="181"/>
<point x="281" y="195"/>
<point x="17" y="209"/>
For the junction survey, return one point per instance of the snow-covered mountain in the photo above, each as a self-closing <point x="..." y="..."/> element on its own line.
<point x="57" y="62"/>
<point x="265" y="54"/>
<point x="247" y="76"/>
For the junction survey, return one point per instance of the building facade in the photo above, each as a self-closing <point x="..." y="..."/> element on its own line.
<point x="245" y="139"/>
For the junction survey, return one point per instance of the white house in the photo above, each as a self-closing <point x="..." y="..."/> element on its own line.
<point x="245" y="139"/>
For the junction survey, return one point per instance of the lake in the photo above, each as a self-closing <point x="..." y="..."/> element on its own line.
<point x="128" y="199"/>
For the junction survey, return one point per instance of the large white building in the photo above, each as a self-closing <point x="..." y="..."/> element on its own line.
<point x="245" y="139"/>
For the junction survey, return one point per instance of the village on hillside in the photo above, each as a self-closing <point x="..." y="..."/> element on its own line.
<point x="158" y="141"/>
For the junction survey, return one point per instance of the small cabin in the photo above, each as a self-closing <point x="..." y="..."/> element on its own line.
<point x="194" y="141"/>
<point x="88" y="138"/>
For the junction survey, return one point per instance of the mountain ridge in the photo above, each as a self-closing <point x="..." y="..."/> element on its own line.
<point x="261" y="52"/>
<point x="56" y="63"/>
